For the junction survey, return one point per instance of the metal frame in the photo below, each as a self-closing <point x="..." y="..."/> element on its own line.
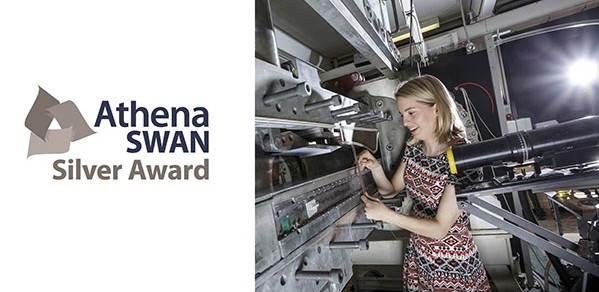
<point x="344" y="17"/>
<point x="499" y="82"/>
<point x="303" y="259"/>
<point x="493" y="42"/>
<point x="526" y="230"/>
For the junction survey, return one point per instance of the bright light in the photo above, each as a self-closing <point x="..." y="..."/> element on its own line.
<point x="583" y="72"/>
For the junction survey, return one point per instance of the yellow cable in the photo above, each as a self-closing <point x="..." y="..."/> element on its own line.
<point x="451" y="161"/>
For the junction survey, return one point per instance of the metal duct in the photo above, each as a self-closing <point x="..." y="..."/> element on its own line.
<point x="538" y="10"/>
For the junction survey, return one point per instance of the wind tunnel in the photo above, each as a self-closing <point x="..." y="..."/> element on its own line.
<point x="524" y="145"/>
<point x="325" y="76"/>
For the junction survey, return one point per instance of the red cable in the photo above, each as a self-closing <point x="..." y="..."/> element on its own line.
<point x="484" y="89"/>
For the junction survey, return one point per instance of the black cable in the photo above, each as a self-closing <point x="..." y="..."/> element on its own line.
<point x="555" y="261"/>
<point x="533" y="251"/>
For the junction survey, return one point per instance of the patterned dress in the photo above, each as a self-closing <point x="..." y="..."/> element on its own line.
<point x="453" y="262"/>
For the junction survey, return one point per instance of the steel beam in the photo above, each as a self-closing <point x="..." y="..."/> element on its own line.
<point x="531" y="237"/>
<point x="349" y="23"/>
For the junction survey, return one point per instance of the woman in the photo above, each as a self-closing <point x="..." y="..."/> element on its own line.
<point x="441" y="253"/>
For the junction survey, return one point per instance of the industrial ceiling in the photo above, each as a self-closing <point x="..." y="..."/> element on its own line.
<point x="310" y="31"/>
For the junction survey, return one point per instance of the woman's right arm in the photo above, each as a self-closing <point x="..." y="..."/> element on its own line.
<point x="386" y="188"/>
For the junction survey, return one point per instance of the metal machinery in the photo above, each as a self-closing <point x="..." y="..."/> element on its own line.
<point x="313" y="117"/>
<point x="526" y="147"/>
<point x="308" y="216"/>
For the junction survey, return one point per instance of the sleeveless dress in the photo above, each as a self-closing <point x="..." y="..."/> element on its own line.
<point x="453" y="262"/>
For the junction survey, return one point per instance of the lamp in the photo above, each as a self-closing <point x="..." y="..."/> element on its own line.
<point x="425" y="26"/>
<point x="583" y="72"/>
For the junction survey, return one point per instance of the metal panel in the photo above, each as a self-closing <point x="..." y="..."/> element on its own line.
<point x="304" y="233"/>
<point x="315" y="255"/>
<point x="303" y="219"/>
<point x="266" y="246"/>
<point x="343" y="16"/>
<point x="291" y="112"/>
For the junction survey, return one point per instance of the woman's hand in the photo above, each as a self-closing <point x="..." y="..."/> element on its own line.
<point x="375" y="209"/>
<point x="367" y="160"/>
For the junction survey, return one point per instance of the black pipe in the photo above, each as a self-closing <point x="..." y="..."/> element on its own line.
<point x="523" y="145"/>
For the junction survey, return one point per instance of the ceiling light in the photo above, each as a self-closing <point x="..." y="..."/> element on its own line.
<point x="424" y="27"/>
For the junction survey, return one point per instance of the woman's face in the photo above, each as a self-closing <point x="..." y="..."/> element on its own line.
<point x="419" y="118"/>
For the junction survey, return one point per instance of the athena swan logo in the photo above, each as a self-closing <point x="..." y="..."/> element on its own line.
<point x="44" y="111"/>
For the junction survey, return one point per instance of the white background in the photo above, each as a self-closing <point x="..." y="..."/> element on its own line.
<point x="128" y="235"/>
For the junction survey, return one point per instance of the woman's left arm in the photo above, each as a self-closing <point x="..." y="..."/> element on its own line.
<point x="436" y="227"/>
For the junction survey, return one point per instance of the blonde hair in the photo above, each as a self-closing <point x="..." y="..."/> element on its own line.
<point x="430" y="90"/>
